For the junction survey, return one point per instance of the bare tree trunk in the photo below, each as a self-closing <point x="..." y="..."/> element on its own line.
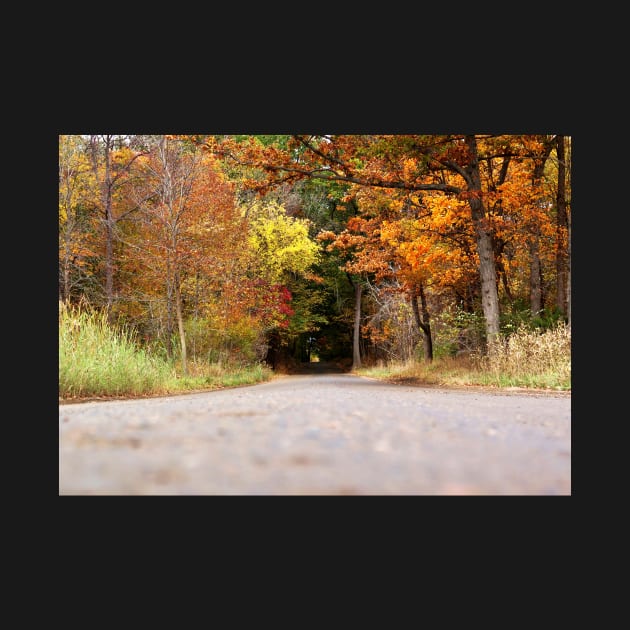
<point x="356" y="350"/>
<point x="180" y="324"/>
<point x="106" y="185"/>
<point x="109" y="265"/>
<point x="561" y="231"/>
<point x="487" y="268"/>
<point x="196" y="315"/>
<point x="569" y="273"/>
<point x="424" y="325"/>
<point x="67" y="238"/>
<point x="169" y="310"/>
<point x="66" y="274"/>
<point x="535" y="284"/>
<point x="536" y="300"/>
<point x="109" y="229"/>
<point x="171" y="261"/>
<point x="498" y="243"/>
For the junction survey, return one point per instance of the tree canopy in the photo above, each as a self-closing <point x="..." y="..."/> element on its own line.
<point x="252" y="246"/>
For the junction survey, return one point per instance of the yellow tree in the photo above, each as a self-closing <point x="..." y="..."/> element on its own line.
<point x="468" y="167"/>
<point x="284" y="255"/>
<point x="281" y="243"/>
<point x="77" y="220"/>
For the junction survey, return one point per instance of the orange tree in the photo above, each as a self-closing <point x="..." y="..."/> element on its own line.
<point x="472" y="168"/>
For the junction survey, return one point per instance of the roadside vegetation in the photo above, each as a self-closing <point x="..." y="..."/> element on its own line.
<point x="97" y="359"/>
<point x="191" y="262"/>
<point x="526" y="358"/>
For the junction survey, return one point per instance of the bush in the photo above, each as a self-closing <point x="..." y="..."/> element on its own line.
<point x="456" y="331"/>
<point x="520" y="315"/>
<point x="532" y="352"/>
<point x="237" y="342"/>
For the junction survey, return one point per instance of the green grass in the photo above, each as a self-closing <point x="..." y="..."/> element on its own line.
<point x="220" y="376"/>
<point x="529" y="359"/>
<point x="98" y="360"/>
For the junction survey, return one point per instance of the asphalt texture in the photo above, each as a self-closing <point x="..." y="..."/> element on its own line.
<point x="319" y="434"/>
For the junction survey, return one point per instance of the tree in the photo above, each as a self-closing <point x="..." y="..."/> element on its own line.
<point x="77" y="225"/>
<point x="218" y="269"/>
<point x="281" y="243"/>
<point x="168" y="177"/>
<point x="472" y="221"/>
<point x="411" y="163"/>
<point x="562" y="232"/>
<point x="284" y="255"/>
<point x="360" y="251"/>
<point x="187" y="231"/>
<point x="111" y="157"/>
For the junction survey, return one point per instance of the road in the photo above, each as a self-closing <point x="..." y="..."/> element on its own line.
<point x="326" y="434"/>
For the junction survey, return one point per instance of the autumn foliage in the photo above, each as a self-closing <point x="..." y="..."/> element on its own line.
<point x="221" y="247"/>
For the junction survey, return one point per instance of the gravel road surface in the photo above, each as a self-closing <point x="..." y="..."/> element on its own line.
<point x="330" y="434"/>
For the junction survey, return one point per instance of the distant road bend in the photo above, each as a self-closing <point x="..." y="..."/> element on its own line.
<point x="313" y="434"/>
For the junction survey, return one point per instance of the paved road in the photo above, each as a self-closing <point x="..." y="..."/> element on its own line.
<point x="326" y="434"/>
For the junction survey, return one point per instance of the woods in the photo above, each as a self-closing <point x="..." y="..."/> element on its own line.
<point x="279" y="249"/>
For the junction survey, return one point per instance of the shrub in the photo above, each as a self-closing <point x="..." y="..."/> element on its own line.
<point x="529" y="352"/>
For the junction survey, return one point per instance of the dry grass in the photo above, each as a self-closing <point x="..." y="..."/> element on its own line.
<point x="532" y="358"/>
<point x="527" y="358"/>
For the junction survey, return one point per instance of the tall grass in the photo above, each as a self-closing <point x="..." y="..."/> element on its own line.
<point x="526" y="358"/>
<point x="531" y="358"/>
<point x="96" y="359"/>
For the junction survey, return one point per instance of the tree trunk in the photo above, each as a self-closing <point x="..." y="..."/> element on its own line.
<point x="196" y="316"/>
<point x="166" y="194"/>
<point x="569" y="272"/>
<point x="109" y="264"/>
<point x="169" y="311"/>
<point x="561" y="231"/>
<point x="180" y="325"/>
<point x="487" y="268"/>
<point x="106" y="208"/>
<point x="356" y="351"/>
<point x="109" y="229"/>
<point x="536" y="298"/>
<point x="107" y="183"/>
<point x="498" y="243"/>
<point x="66" y="273"/>
<point x="535" y="274"/>
<point x="423" y="322"/>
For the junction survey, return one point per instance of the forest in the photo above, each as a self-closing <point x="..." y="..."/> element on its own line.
<point x="224" y="253"/>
